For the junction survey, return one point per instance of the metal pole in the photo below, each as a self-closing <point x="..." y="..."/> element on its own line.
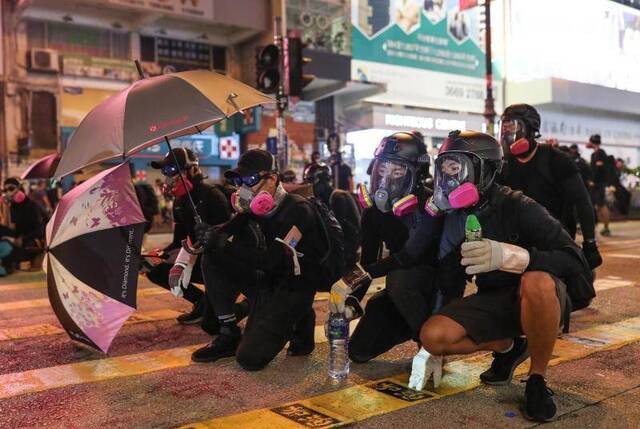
<point x="489" y="109"/>
<point x="281" y="97"/>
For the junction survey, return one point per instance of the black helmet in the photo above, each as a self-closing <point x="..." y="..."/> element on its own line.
<point x="526" y="113"/>
<point x="405" y="147"/>
<point x="400" y="161"/>
<point x="483" y="151"/>
<point x="316" y="172"/>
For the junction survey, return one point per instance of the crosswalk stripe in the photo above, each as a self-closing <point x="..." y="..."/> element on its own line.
<point x="23" y="286"/>
<point x="43" y="302"/>
<point x="622" y="255"/>
<point x="42" y="330"/>
<point x="38" y="380"/>
<point x="607" y="283"/>
<point x="374" y="398"/>
<point x="460" y="375"/>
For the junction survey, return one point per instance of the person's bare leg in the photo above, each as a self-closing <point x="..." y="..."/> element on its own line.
<point x="604" y="216"/>
<point x="443" y="336"/>
<point x="540" y="317"/>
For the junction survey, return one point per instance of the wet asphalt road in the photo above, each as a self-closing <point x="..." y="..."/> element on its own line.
<point x="598" y="391"/>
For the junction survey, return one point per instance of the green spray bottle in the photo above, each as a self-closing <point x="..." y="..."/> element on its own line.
<point x="472" y="228"/>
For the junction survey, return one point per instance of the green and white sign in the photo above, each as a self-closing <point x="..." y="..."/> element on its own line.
<point x="429" y="53"/>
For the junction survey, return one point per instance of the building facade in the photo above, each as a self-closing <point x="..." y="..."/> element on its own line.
<point x="62" y="58"/>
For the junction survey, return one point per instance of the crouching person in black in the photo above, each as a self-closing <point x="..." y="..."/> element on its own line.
<point x="522" y="264"/>
<point x="279" y="277"/>
<point x="179" y="270"/>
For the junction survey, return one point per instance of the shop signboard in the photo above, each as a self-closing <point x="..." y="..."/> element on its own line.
<point x="184" y="8"/>
<point x="101" y="68"/>
<point x="428" y="53"/>
<point x="203" y="145"/>
<point x="179" y="55"/>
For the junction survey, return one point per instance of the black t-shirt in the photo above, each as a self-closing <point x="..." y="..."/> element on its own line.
<point x="599" y="166"/>
<point x="541" y="177"/>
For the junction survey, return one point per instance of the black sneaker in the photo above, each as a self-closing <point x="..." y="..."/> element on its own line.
<point x="191" y="318"/>
<point x="538" y="400"/>
<point x="504" y="364"/>
<point x="223" y="346"/>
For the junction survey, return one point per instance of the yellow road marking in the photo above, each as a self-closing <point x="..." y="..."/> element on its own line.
<point x="43" y="330"/>
<point x="378" y="397"/>
<point x="43" y="302"/>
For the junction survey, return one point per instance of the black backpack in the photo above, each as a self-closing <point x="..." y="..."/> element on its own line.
<point x="332" y="263"/>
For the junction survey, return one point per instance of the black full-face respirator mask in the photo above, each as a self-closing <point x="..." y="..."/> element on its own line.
<point x="395" y="171"/>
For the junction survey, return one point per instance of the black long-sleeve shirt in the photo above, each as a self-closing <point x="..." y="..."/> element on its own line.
<point x="213" y="207"/>
<point x="552" y="179"/>
<point x="28" y="219"/>
<point x="275" y="259"/>
<point x="514" y="218"/>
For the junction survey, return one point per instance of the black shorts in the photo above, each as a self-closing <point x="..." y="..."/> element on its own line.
<point x="597" y="194"/>
<point x="495" y="314"/>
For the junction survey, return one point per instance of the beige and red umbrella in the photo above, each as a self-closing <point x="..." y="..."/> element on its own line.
<point x="153" y="110"/>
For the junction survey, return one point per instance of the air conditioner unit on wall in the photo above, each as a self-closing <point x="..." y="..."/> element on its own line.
<point x="44" y="60"/>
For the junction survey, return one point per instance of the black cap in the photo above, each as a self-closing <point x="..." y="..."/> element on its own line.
<point x="252" y="162"/>
<point x="595" y="139"/>
<point x="185" y="158"/>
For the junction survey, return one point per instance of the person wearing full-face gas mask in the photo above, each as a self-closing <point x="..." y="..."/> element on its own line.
<point x="341" y="203"/>
<point x="279" y="277"/>
<point x="175" y="269"/>
<point x="27" y="221"/>
<point x="521" y="264"/>
<point x="392" y="216"/>
<point x="547" y="175"/>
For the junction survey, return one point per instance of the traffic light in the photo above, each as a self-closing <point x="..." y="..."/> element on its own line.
<point x="267" y="69"/>
<point x="297" y="79"/>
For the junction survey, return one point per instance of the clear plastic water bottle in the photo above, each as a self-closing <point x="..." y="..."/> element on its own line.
<point x="338" y="334"/>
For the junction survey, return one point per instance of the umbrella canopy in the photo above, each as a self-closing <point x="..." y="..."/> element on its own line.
<point x="151" y="109"/>
<point x="42" y="168"/>
<point x="93" y="240"/>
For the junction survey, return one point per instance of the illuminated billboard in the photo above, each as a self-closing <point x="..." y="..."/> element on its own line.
<point x="589" y="41"/>
<point x="428" y="53"/>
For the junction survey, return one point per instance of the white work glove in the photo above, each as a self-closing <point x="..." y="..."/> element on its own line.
<point x="175" y="279"/>
<point x="423" y="368"/>
<point x="339" y="292"/>
<point x="487" y="255"/>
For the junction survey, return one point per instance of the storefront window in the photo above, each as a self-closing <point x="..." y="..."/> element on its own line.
<point x="325" y="25"/>
<point x="78" y="40"/>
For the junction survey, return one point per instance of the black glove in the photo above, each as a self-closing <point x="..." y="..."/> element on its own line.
<point x="591" y="254"/>
<point x="210" y="237"/>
